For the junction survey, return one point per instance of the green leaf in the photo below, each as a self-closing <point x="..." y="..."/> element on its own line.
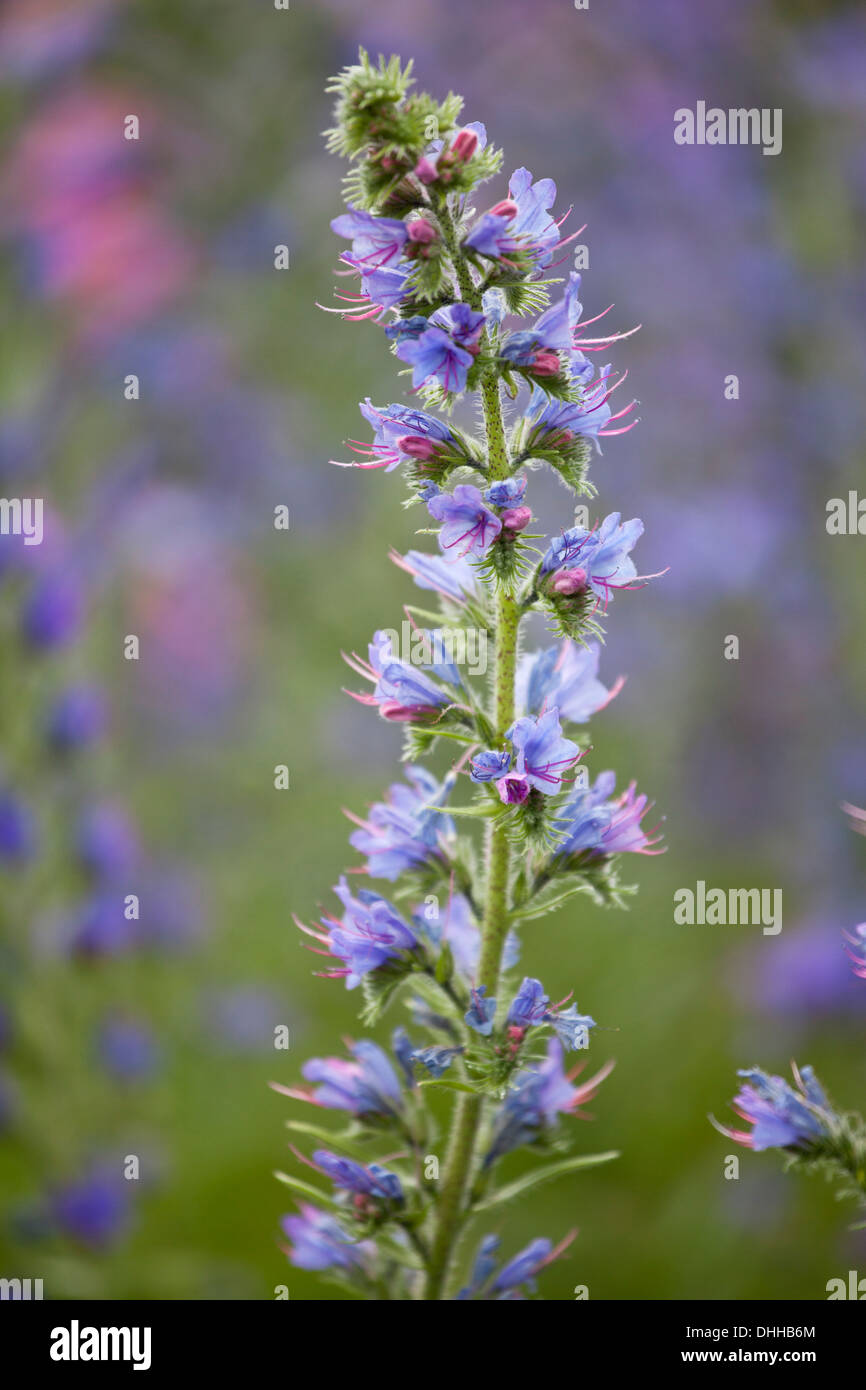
<point x="516" y="1189"/>
<point x="450" y="1085"/>
<point x="444" y="965"/>
<point x="333" y="1138"/>
<point x="305" y="1189"/>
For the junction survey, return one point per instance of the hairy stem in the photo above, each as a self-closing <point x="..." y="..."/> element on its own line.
<point x="469" y="1109"/>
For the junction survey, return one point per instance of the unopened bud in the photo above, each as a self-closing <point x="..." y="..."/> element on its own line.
<point x="422" y="231"/>
<point x="415" y="446"/>
<point x="516" y="518"/>
<point x="426" y="170"/>
<point x="569" y="582"/>
<point x="546" y="363"/>
<point x="465" y="145"/>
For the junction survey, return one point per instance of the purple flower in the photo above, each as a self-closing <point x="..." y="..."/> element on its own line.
<point x="460" y="930"/>
<point x="542" y="1092"/>
<point x="466" y="522"/>
<point x="106" y="840"/>
<point x="403" y="832"/>
<point x="520" y="1271"/>
<point x="555" y="328"/>
<point x="100" y="927"/>
<point x="567" y="676"/>
<point x="481" y="1012"/>
<point x="54" y="611"/>
<point x="127" y="1049"/>
<point x="464" y="325"/>
<point x="373" y="1181"/>
<point x="376" y="241"/>
<point x="781" y="1117"/>
<point x="522" y="223"/>
<point x="432" y="352"/>
<point x="17" y="830"/>
<point x="530" y="1008"/>
<point x="603" y="555"/>
<point x="506" y="493"/>
<point x="381" y="289"/>
<point x="77" y="718"/>
<point x="453" y="578"/>
<point x="554" y="423"/>
<point x="856" y="948"/>
<point x="489" y="765"/>
<point x="593" y="821"/>
<point x="319" y="1242"/>
<point x="367" y="1085"/>
<point x="437" y="1058"/>
<point x="396" y="427"/>
<point x="93" y="1210"/>
<point x="370" y="934"/>
<point x="402" y="692"/>
<point x="542" y="754"/>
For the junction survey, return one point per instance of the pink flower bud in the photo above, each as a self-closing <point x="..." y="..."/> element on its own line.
<point x="546" y="363"/>
<point x="513" y="788"/>
<point x="426" y="171"/>
<point x="422" y="231"/>
<point x="569" y="582"/>
<point x="516" y="518"/>
<point x="464" y="145"/>
<point x="507" y="208"/>
<point x="415" y="446"/>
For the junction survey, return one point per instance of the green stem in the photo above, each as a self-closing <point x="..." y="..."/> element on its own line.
<point x="459" y="1163"/>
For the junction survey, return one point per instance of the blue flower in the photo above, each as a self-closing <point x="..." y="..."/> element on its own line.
<point x="127" y="1049"/>
<point x="481" y="1012"/>
<point x="781" y="1117"/>
<point x="319" y="1242"/>
<point x="488" y="766"/>
<point x="18" y="835"/>
<point x="506" y="493"/>
<point x="402" y="692"/>
<point x="466" y="522"/>
<point x="460" y="930"/>
<point x="542" y="1093"/>
<point x="77" y="718"/>
<point x="372" y="1181"/>
<point x="433" y="347"/>
<point x="54" y="611"/>
<point x="592" y="821"/>
<point x="398" y="428"/>
<point x="566" y="676"/>
<point x="602" y="556"/>
<point x="370" y="934"/>
<point x="542" y="754"/>
<point x="436" y="1058"/>
<point x="376" y="241"/>
<point x="453" y="577"/>
<point x="367" y="1085"/>
<point x="403" y="1048"/>
<point x="530" y="1008"/>
<point x="519" y="1272"/>
<point x="403" y="832"/>
<point x="522" y="223"/>
<point x="93" y="1209"/>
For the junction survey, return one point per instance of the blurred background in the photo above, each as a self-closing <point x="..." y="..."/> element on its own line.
<point x="149" y="868"/>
